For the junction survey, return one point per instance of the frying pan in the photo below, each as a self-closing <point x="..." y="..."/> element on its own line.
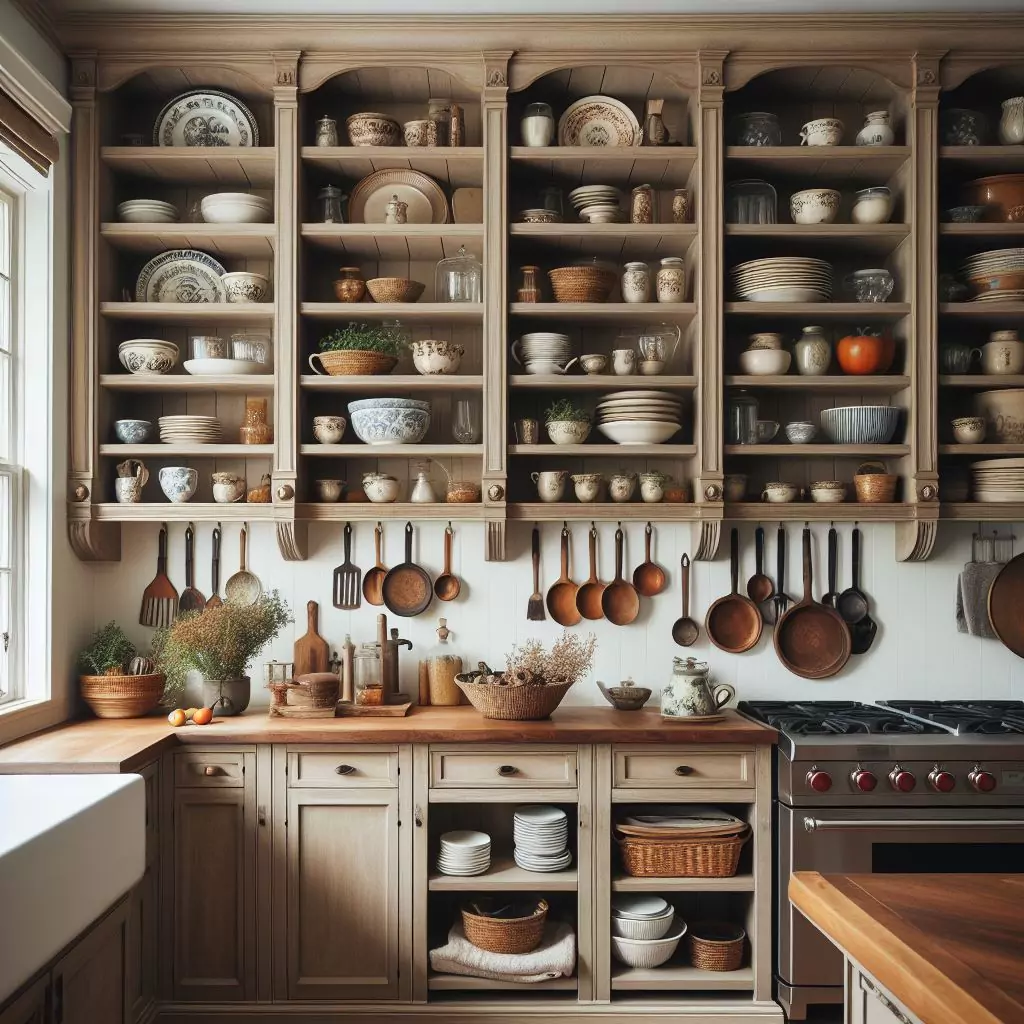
<point x="588" y="597"/>
<point x="562" y="593"/>
<point x="1005" y="599"/>
<point x="852" y="603"/>
<point x="734" y="622"/>
<point x="685" y="631"/>
<point x="648" y="577"/>
<point x="620" y="602"/>
<point x="407" y="589"/>
<point x="811" y="640"/>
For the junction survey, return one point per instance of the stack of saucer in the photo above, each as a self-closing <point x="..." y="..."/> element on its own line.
<point x="147" y="211"/>
<point x="641" y="916"/>
<point x="464" y="853"/>
<point x="598" y="204"/>
<point x="541" y="834"/>
<point x="189" y="429"/>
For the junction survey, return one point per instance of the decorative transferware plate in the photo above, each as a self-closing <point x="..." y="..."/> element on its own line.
<point x="205" y="117"/>
<point x="425" y="198"/>
<point x="144" y="290"/>
<point x="185" y="281"/>
<point x="598" y="121"/>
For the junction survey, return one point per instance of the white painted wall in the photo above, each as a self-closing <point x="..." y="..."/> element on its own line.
<point x="917" y="653"/>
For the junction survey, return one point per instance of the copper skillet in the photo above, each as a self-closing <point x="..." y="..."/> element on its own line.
<point x="734" y="622"/>
<point x="588" y="597"/>
<point x="561" y="599"/>
<point x="620" y="602"/>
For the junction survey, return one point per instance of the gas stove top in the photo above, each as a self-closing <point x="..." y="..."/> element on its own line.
<point x="983" y="717"/>
<point x="833" y="718"/>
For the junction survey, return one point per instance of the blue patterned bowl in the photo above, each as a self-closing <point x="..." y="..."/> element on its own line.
<point x="133" y="431"/>
<point x="178" y="483"/>
<point x="390" y="426"/>
<point x="860" y="424"/>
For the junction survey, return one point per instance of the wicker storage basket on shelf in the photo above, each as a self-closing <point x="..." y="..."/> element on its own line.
<point x="524" y="703"/>
<point x="506" y="935"/>
<point x="710" y="857"/>
<point x="355" y="362"/>
<point x="122" y="696"/>
<point x="716" y="947"/>
<point x="394" y="289"/>
<point x="873" y="485"/>
<point x="581" y="284"/>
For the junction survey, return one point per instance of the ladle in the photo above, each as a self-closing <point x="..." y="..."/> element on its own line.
<point x="447" y="585"/>
<point x="588" y="597"/>
<point x="561" y="598"/>
<point x="648" y="577"/>
<point x="373" y="581"/>
<point x="685" y="631"/>
<point x="759" y="587"/>
<point x="620" y="601"/>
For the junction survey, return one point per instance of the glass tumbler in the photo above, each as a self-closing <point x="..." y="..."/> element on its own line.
<point x="741" y="421"/>
<point x="208" y="346"/>
<point x="466" y="424"/>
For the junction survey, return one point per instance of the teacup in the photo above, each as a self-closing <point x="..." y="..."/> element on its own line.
<point x="652" y="486"/>
<point x="779" y="493"/>
<point x="828" y="492"/>
<point x="621" y="486"/>
<point x="594" y="363"/>
<point x="969" y="429"/>
<point x="329" y="429"/>
<point x="1002" y="355"/>
<point x="227" y="488"/>
<point x="651" y="367"/>
<point x="823" y="131"/>
<point x="329" y="490"/>
<point x="734" y="486"/>
<point x="623" y="361"/>
<point x="587" y="486"/>
<point x="550" y="484"/>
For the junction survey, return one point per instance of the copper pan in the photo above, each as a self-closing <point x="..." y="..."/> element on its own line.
<point x="1005" y="601"/>
<point x="734" y="622"/>
<point x="562" y="593"/>
<point x="620" y="601"/>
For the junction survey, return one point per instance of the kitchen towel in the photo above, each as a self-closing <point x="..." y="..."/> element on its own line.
<point x="972" y="587"/>
<point x="553" y="958"/>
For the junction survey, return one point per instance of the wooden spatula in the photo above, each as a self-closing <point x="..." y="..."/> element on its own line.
<point x="159" y="599"/>
<point x="347" y="577"/>
<point x="191" y="599"/>
<point x="311" y="651"/>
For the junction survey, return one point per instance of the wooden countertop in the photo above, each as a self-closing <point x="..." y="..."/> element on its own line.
<point x="950" y="947"/>
<point x="99" y="745"/>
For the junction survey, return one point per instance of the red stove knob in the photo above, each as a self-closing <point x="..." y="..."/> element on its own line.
<point x="982" y="781"/>
<point x="819" y="781"/>
<point x="863" y="780"/>
<point x="942" y="781"/>
<point x="901" y="780"/>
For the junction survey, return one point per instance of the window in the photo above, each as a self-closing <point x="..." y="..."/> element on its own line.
<point x="9" y="470"/>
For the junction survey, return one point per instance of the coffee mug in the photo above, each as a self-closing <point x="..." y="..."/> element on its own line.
<point x="550" y="484"/>
<point x="129" y="488"/>
<point x="1002" y="357"/>
<point x="781" y="493"/>
<point x="823" y="131"/>
<point x="956" y="357"/>
<point x="735" y="486"/>
<point x="623" y="361"/>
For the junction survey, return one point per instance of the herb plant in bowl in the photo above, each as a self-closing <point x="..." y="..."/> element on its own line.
<point x="566" y="422"/>
<point x="358" y="349"/>
<point x="116" y="682"/>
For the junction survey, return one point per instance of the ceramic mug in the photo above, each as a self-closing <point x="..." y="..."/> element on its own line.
<point x="823" y="131"/>
<point x="329" y="490"/>
<point x="735" y="486"/>
<point x="129" y="488"/>
<point x="329" y="429"/>
<point x="594" y="363"/>
<point x="781" y="493"/>
<point x="227" y="488"/>
<point x="999" y="356"/>
<point x="623" y="361"/>
<point x="956" y="357"/>
<point x="587" y="486"/>
<point x="550" y="484"/>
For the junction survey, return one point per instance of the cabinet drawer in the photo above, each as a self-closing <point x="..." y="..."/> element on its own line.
<point x="694" y="769"/>
<point x="218" y="769"/>
<point x="329" y="769"/>
<point x="503" y="769"/>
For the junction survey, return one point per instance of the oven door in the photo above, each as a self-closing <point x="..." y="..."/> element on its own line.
<point x="880" y="841"/>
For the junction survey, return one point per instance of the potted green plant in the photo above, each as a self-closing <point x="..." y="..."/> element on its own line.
<point x="220" y="643"/>
<point x="115" y="681"/>
<point x="358" y="349"/>
<point x="567" y="422"/>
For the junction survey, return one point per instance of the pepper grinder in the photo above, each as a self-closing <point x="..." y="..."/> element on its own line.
<point x="348" y="653"/>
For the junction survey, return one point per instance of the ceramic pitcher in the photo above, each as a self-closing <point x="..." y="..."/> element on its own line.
<point x="689" y="693"/>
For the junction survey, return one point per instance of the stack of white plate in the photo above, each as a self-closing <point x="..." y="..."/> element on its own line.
<point x="639" y="417"/>
<point x="998" y="480"/>
<point x="147" y="211"/>
<point x="996" y="275"/>
<point x="542" y="352"/>
<point x="189" y="429"/>
<point x="641" y="916"/>
<point x="783" y="279"/>
<point x="235" y="208"/>
<point x="541" y="834"/>
<point x="598" y="204"/>
<point x="464" y="853"/>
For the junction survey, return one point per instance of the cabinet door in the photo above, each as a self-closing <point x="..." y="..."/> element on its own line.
<point x="212" y="895"/>
<point x="27" y="1008"/>
<point x="143" y="931"/>
<point x="89" y="981"/>
<point x="341" y="940"/>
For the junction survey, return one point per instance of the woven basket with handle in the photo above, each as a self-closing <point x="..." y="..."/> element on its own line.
<point x="716" y="946"/>
<point x="505" y="934"/>
<point x="873" y="485"/>
<point x="709" y="857"/>
<point x="119" y="696"/>
<point x="524" y="703"/>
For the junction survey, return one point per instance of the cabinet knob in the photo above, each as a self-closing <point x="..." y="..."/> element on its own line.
<point x="506" y="771"/>
<point x="684" y="769"/>
<point x="211" y="769"/>
<point x="285" y="492"/>
<point x="344" y="769"/>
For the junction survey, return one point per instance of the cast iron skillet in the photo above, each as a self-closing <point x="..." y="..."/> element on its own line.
<point x="407" y="589"/>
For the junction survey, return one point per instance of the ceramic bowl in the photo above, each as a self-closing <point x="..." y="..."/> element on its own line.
<point x="148" y="355"/>
<point x="420" y="133"/>
<point x="328" y="490"/>
<point x="764" y="340"/>
<point x="133" y="431"/>
<point x="766" y="431"/>
<point x="652" y="487"/>
<point x="329" y="429"/>
<point x="647" y="953"/>
<point x="568" y="431"/>
<point x="594" y="363"/>
<point x="965" y="214"/>
<point x="390" y="420"/>
<point x="621" y="486"/>
<point x="800" y="432"/>
<point x="823" y="131"/>
<point x="648" y="928"/>
<point x="178" y="483"/>
<point x="228" y="488"/>
<point x="380" y="487"/>
<point x="1003" y="412"/>
<point x="629" y="432"/>
<point x="433" y="356"/>
<point x="235" y="208"/>
<point x="735" y="486"/>
<point x="814" y="206"/>
<point x="860" y="424"/>
<point x="969" y="429"/>
<point x="762" y="362"/>
<point x="873" y="285"/>
<point x="369" y="128"/>
<point x="244" y="286"/>
<point x="587" y="486"/>
<point x="779" y="493"/>
<point x="828" y="492"/>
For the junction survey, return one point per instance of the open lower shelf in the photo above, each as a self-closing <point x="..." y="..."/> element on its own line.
<point x="455" y="166"/>
<point x="981" y="449"/>
<point x="737" y="883"/>
<point x="863" y="238"/>
<point x="989" y="312"/>
<point x="678" y="976"/>
<point x="820" y="165"/>
<point x="145" y="382"/>
<point x="401" y="451"/>
<point x="821" y="310"/>
<point x="1005" y="157"/>
<point x="612" y="511"/>
<point x="983" y="230"/>
<point x="247" y="240"/>
<point x="641" y="312"/>
<point x="368" y="511"/>
<point x="395" y="241"/>
<point x="506" y="875"/>
<point x="457" y="983"/>
<point x="981" y="511"/>
<point x="839" y="451"/>
<point x="196" y="451"/>
<point x="620" y="242"/>
<point x="600" y="382"/>
<point x="248" y="166"/>
<point x="811" y="511"/>
<point x="583" y="164"/>
<point x="183" y="512"/>
<point x="982" y="380"/>
<point x="373" y="383"/>
<point x="189" y="312"/>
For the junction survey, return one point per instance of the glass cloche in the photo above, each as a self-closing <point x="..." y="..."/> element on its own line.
<point x="459" y="278"/>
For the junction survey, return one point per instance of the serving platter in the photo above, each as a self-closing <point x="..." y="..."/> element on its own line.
<point x="598" y="121"/>
<point x="205" y="117"/>
<point x="145" y="289"/>
<point x="425" y="199"/>
<point x="215" y="367"/>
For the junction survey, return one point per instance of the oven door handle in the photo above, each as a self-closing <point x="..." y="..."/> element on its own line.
<point x="840" y="825"/>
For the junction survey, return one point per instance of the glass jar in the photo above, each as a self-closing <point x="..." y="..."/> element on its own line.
<point x="551" y="199"/>
<point x="208" y="346"/>
<point x="751" y="202"/>
<point x="812" y="352"/>
<point x="529" y="288"/>
<point x="422" y="491"/>
<point x="366" y="676"/>
<point x="350" y="286"/>
<point x="681" y="206"/>
<point x="641" y="207"/>
<point x="255" y="429"/>
<point x="458" y="278"/>
<point x="329" y="200"/>
<point x="252" y="346"/>
<point x="659" y="342"/>
<point x="537" y="126"/>
<point x="636" y="283"/>
<point x="672" y="279"/>
<point x="757" y="128"/>
<point x="442" y="668"/>
<point x="741" y="421"/>
<point x="326" y="132"/>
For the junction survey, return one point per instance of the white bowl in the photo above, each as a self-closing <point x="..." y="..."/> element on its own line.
<point x="433" y="356"/>
<point x="147" y="211"/>
<point x="235" y="208"/>
<point x="638" y="431"/>
<point x="217" y="367"/>
<point x="761" y="362"/>
<point x="648" y="952"/>
<point x="380" y="487"/>
<point x="148" y="355"/>
<point x="647" y="930"/>
<point x="244" y="286"/>
<point x="814" y="206"/>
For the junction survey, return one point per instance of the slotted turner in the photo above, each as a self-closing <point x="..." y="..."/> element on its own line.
<point x="347" y="578"/>
<point x="159" y="599"/>
<point x="191" y="599"/>
<point x="215" y="601"/>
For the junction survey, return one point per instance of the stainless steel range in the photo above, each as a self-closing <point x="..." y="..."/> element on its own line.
<point x="902" y="786"/>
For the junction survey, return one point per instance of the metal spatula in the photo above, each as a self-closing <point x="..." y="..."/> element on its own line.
<point x="159" y="599"/>
<point x="191" y="599"/>
<point x="347" y="578"/>
<point x="215" y="601"/>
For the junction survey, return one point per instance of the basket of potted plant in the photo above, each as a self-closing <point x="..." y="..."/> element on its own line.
<point x="115" y="681"/>
<point x="567" y="422"/>
<point x="358" y="350"/>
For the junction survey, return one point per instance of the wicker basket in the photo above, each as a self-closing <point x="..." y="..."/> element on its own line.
<point x="874" y="487"/>
<point x="581" y="284"/>
<point x="716" y="946"/>
<point x="355" y="363"/>
<point x="506" y="935"/>
<point x="682" y="858"/>
<point x="514" y="703"/>
<point x="122" y="696"/>
<point x="394" y="289"/>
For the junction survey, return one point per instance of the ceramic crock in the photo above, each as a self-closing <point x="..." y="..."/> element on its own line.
<point x="689" y="693"/>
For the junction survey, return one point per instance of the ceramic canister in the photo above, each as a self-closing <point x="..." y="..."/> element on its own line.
<point x="1002" y="355"/>
<point x="671" y="279"/>
<point x="550" y="484"/>
<point x="636" y="283"/>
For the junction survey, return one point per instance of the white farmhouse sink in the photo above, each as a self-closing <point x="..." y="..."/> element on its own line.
<point x="70" y="847"/>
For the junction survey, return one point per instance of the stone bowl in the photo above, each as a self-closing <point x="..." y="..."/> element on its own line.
<point x="133" y="431"/>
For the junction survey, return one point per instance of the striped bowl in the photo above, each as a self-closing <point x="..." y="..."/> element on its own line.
<point x="860" y="424"/>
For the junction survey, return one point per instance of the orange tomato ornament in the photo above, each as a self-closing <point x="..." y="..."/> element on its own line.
<point x="862" y="354"/>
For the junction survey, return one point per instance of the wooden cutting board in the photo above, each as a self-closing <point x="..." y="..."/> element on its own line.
<point x="311" y="651"/>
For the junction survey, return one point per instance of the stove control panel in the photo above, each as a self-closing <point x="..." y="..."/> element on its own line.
<point x="981" y="780"/>
<point x="901" y="780"/>
<point x="941" y="781"/>
<point x="819" y="781"/>
<point x="863" y="780"/>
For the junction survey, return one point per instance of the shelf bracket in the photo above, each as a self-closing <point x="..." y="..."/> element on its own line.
<point x="915" y="540"/>
<point x="705" y="538"/>
<point x="93" y="541"/>
<point x="293" y="539"/>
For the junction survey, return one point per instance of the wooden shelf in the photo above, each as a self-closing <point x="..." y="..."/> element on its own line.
<point x="195" y="451"/>
<point x="738" y="883"/>
<point x="599" y="382"/>
<point x="861" y="238"/>
<point x="821" y="310"/>
<point x="183" y="512"/>
<point x="455" y="167"/>
<point x="983" y="231"/>
<point x="1001" y="158"/>
<point x="611" y="511"/>
<point x="661" y="166"/>
<point x="836" y="451"/>
<point x="814" y="165"/>
<point x="987" y="312"/>
<point x="458" y="983"/>
<point x="402" y="242"/>
<point x="622" y="451"/>
<point x="639" y="312"/>
<point x="884" y="385"/>
<point x="819" y="512"/>
<point x="678" y="976"/>
<point x="982" y="449"/>
<point x="189" y="312"/>
<point x="981" y="511"/>
<point x="982" y="380"/>
<point x="244" y="240"/>
<point x="620" y="242"/>
<point x="369" y="511"/>
<point x="506" y="876"/>
<point x="145" y="382"/>
<point x="247" y="166"/>
<point x="400" y="451"/>
<point x="376" y="383"/>
<point x="407" y="312"/>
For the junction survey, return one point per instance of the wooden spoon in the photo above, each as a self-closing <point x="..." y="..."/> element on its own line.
<point x="561" y="598"/>
<point x="648" y="577"/>
<point x="685" y="631"/>
<point x="447" y="585"/>
<point x="588" y="597"/>
<point x="373" y="581"/>
<point x="620" y="601"/>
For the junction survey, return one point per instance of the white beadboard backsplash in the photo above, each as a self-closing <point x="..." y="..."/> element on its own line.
<point x="917" y="653"/>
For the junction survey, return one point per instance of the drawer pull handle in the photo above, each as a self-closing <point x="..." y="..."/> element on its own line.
<point x="684" y="769"/>
<point x="344" y="769"/>
<point x="506" y="771"/>
<point x="213" y="769"/>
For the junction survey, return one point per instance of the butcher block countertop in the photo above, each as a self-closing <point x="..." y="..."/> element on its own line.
<point x="98" y="745"/>
<point x="949" y="947"/>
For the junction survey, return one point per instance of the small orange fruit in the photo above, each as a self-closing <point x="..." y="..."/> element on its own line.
<point x="202" y="716"/>
<point x="189" y="714"/>
<point x="177" y="718"/>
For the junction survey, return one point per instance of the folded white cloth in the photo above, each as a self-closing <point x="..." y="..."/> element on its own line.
<point x="554" y="957"/>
